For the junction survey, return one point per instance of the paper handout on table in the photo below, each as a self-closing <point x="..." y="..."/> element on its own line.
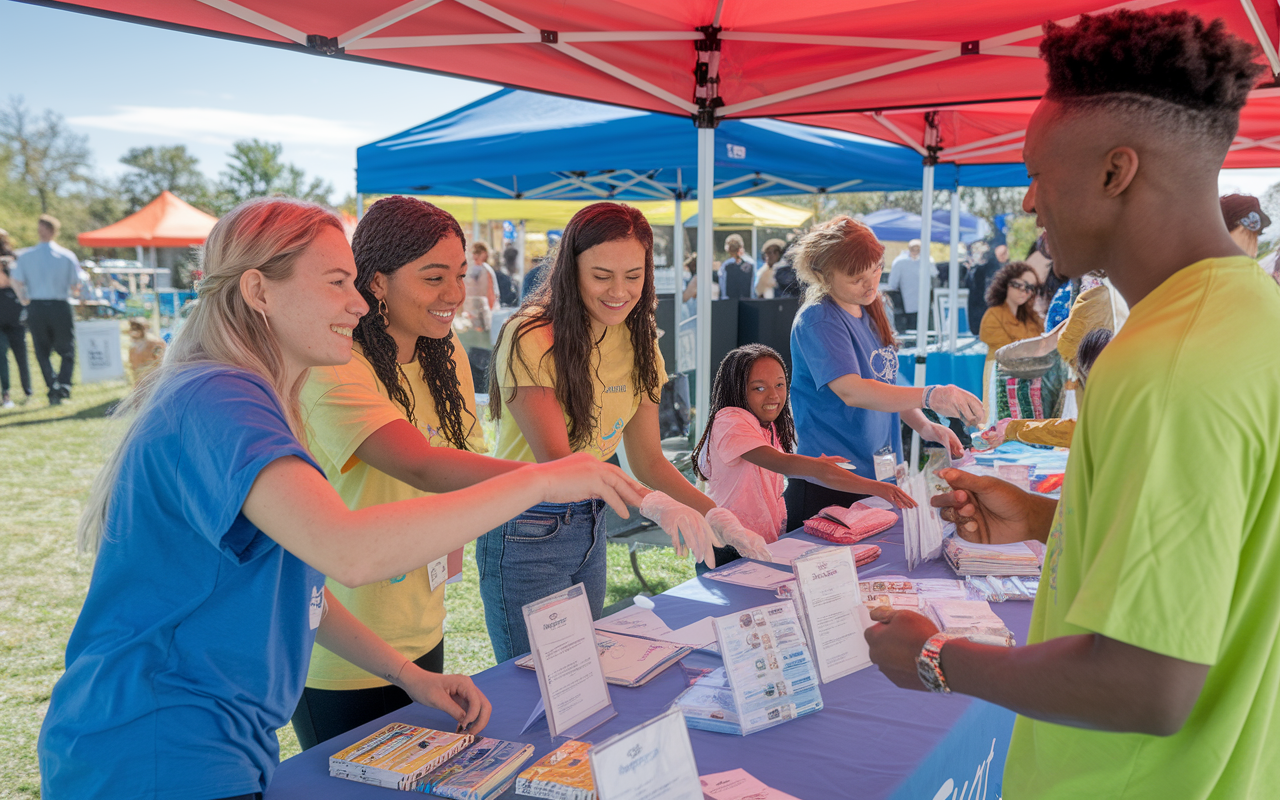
<point x="397" y="756"/>
<point x="563" y="774"/>
<point x="750" y="573"/>
<point x="484" y="770"/>
<point x="700" y="635"/>
<point x="1017" y="558"/>
<point x="565" y="656"/>
<point x="901" y="592"/>
<point x="636" y="621"/>
<point x="629" y="660"/>
<point x="972" y="619"/>
<point x="652" y="761"/>
<point x="738" y="784"/>
<point x="834" y="616"/>
<point x="768" y="665"/>
<point x="789" y="548"/>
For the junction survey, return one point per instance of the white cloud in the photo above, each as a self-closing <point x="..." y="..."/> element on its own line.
<point x="219" y="126"/>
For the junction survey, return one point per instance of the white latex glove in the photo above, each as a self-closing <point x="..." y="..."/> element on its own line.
<point x="730" y="533"/>
<point x="952" y="401"/>
<point x="685" y="526"/>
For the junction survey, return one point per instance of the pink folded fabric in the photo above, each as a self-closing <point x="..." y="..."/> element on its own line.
<point x="864" y="554"/>
<point x="848" y="525"/>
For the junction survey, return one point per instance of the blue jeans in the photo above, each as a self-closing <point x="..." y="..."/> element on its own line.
<point x="546" y="549"/>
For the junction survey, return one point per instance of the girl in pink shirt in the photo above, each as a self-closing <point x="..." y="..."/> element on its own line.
<point x="745" y="453"/>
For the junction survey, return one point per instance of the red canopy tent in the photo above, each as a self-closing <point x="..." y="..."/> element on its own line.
<point x="166" y="221"/>
<point x="708" y="59"/>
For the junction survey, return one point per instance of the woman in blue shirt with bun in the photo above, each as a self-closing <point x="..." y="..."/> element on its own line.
<point x="844" y="391"/>
<point x="215" y="529"/>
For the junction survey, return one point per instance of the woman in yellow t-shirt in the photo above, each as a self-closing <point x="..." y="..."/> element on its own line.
<point x="398" y="421"/>
<point x="577" y="370"/>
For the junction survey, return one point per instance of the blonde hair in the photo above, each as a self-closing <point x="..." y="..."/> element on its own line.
<point x="267" y="234"/>
<point x="841" y="245"/>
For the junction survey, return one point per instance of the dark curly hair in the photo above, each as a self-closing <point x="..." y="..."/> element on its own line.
<point x="393" y="232"/>
<point x="730" y="391"/>
<point x="558" y="303"/>
<point x="1180" y="72"/>
<point x="998" y="291"/>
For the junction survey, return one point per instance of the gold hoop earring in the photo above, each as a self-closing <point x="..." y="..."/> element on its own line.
<point x="382" y="313"/>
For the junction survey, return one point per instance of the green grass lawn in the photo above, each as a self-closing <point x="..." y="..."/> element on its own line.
<point x="50" y="455"/>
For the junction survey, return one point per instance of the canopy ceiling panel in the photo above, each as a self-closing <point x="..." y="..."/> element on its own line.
<point x="733" y="58"/>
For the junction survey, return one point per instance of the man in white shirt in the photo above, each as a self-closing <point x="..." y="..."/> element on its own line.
<point x="44" y="277"/>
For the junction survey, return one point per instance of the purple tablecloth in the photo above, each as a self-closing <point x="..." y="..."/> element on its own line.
<point x="871" y="740"/>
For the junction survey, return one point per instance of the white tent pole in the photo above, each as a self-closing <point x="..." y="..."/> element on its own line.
<point x="475" y="220"/>
<point x="155" y="290"/>
<point x="359" y="206"/>
<point x="677" y="257"/>
<point x="755" y="242"/>
<point x="922" y="308"/>
<point x="520" y="248"/>
<point x="953" y="272"/>
<point x="706" y="253"/>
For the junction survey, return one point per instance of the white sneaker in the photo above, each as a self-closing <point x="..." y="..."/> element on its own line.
<point x="7" y="404"/>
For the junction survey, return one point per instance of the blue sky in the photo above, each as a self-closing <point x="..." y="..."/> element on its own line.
<point x="127" y="85"/>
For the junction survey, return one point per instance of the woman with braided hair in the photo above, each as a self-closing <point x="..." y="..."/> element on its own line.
<point x="397" y="421"/>
<point x="577" y="370"/>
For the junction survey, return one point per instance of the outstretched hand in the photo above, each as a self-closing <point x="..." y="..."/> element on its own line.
<point x="582" y="476"/>
<point x="985" y="510"/>
<point x="455" y="695"/>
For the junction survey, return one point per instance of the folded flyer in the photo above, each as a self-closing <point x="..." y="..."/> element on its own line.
<point x="485" y="770"/>
<point x="768" y="665"/>
<point x="398" y="756"/>
<point x="564" y="774"/>
<point x="629" y="660"/>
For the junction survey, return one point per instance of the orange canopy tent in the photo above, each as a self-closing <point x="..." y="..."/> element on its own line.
<point x="166" y="221"/>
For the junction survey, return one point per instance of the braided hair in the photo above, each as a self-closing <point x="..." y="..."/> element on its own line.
<point x="396" y="231"/>
<point x="730" y="391"/>
<point x="558" y="303"/>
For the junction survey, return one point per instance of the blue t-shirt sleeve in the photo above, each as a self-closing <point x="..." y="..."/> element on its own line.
<point x="232" y="427"/>
<point x="828" y="351"/>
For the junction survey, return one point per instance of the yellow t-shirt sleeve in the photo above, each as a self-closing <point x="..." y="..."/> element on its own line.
<point x="532" y="364"/>
<point x="343" y="407"/>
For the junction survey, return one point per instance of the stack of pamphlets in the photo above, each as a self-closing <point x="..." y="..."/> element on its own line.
<point x="970" y="558"/>
<point x="629" y="660"/>
<point x="972" y="619"/>
<point x="398" y="756"/>
<point x="708" y="704"/>
<point x="564" y="774"/>
<point x="769" y="666"/>
<point x="912" y="594"/>
<point x="484" y="770"/>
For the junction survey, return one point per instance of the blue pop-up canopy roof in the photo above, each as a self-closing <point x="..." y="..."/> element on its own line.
<point x="533" y="146"/>
<point x="896" y="225"/>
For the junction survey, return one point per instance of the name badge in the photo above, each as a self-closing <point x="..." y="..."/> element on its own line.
<point x="438" y="572"/>
<point x="317" y="608"/>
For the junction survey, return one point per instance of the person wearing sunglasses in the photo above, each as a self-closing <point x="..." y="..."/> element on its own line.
<point x="1011" y="312"/>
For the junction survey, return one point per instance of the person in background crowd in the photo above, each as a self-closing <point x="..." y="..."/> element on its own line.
<point x="690" y="294"/>
<point x="13" y="334"/>
<point x="845" y="366"/>
<point x="748" y="448"/>
<point x="1245" y="221"/>
<point x="578" y="370"/>
<point x="482" y="288"/>
<point x="44" y="278"/>
<point x="215" y="528"/>
<point x="1154" y="629"/>
<point x="509" y="278"/>
<point x="766" y="276"/>
<point x="978" y="280"/>
<point x="6" y="245"/>
<point x="904" y="277"/>
<point x="736" y="273"/>
<point x="785" y="274"/>
<point x="1011" y="308"/>
<point x="534" y="278"/>
<point x="146" y="350"/>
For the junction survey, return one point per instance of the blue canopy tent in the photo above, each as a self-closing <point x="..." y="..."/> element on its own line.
<point x="896" y="225"/>
<point x="523" y="145"/>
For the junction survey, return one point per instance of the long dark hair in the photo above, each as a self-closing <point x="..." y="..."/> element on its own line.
<point x="730" y="391"/>
<point x="558" y="303"/>
<point x="998" y="291"/>
<point x="395" y="231"/>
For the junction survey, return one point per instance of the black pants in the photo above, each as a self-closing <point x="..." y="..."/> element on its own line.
<point x="14" y="337"/>
<point x="805" y="499"/>
<point x="723" y="555"/>
<point x="324" y="713"/>
<point x="53" y="330"/>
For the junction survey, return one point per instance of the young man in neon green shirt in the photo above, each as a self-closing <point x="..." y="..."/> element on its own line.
<point x="1153" y="663"/>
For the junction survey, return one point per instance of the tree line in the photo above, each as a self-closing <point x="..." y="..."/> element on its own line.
<point x="46" y="168"/>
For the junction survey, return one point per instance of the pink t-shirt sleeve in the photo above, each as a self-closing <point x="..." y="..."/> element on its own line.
<point x="737" y="431"/>
<point x="752" y="493"/>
